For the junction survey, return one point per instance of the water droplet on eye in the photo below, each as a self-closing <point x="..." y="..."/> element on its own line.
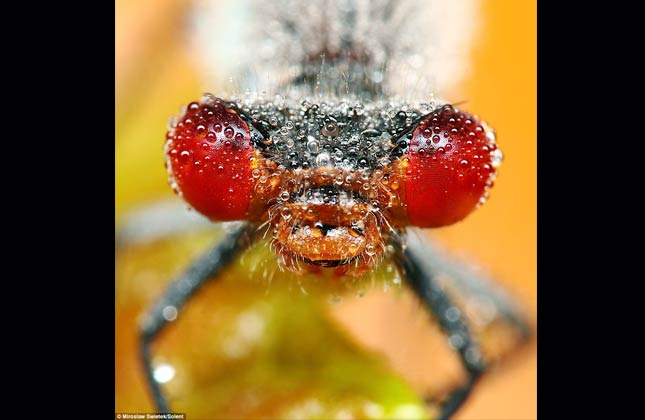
<point x="200" y="131"/>
<point x="436" y="139"/>
<point x="185" y="157"/>
<point x="228" y="132"/>
<point x="490" y="136"/>
<point x="217" y="127"/>
<point x="427" y="133"/>
<point x="284" y="131"/>
<point x="366" y="186"/>
<point x="284" y="195"/>
<point x="193" y="108"/>
<point x="497" y="158"/>
<point x="220" y="168"/>
<point x="370" y="250"/>
<point x="255" y="173"/>
<point x="464" y="163"/>
<point x="290" y="143"/>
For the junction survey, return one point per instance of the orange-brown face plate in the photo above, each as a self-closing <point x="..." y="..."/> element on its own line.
<point x="323" y="234"/>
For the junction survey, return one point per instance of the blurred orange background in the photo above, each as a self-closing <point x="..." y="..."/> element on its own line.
<point x="155" y="75"/>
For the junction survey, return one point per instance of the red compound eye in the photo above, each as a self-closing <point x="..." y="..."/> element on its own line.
<point x="208" y="153"/>
<point x="452" y="158"/>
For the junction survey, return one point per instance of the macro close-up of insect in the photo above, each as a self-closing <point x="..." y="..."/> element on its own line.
<point x="297" y="246"/>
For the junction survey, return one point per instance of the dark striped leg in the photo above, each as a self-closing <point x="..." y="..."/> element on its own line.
<point x="204" y="268"/>
<point x="412" y="262"/>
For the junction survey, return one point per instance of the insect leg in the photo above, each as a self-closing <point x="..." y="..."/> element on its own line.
<point x="204" y="268"/>
<point x="411" y="261"/>
<point x="473" y="284"/>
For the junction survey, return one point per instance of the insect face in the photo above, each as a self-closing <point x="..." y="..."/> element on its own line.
<point x="332" y="182"/>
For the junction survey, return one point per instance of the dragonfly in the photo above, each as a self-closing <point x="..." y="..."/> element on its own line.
<point x="337" y="172"/>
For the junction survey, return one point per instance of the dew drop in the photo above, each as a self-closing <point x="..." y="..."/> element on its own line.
<point x="312" y="145"/>
<point x="322" y="159"/>
<point x="164" y="373"/>
<point x="497" y="158"/>
<point x="169" y="313"/>
<point x="184" y="157"/>
<point x="285" y="213"/>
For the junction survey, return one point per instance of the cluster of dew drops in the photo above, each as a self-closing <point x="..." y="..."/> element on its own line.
<point x="195" y="122"/>
<point x="347" y="134"/>
<point x="459" y="143"/>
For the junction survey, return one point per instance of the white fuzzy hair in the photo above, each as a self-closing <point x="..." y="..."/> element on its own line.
<point x="419" y="48"/>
